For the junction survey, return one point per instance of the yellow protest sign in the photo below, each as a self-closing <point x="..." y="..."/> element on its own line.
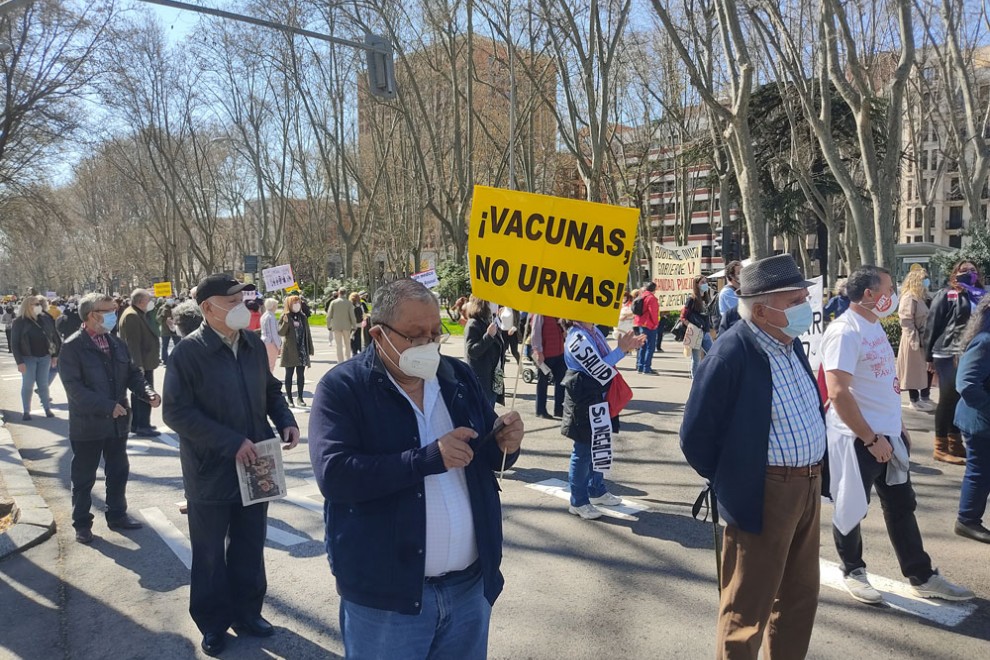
<point x="550" y="255"/>
<point x="674" y="270"/>
<point x="294" y="287"/>
<point x="163" y="289"/>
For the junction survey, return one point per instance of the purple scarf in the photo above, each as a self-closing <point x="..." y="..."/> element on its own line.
<point x="966" y="282"/>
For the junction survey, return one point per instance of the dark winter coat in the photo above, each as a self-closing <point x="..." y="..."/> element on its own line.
<point x="214" y="401"/>
<point x="139" y="335"/>
<point x="950" y="311"/>
<point x="95" y="383"/>
<point x="484" y="353"/>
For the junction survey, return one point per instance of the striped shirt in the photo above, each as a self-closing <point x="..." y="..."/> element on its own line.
<point x="797" y="431"/>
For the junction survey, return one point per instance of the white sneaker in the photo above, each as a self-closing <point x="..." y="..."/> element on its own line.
<point x="859" y="587"/>
<point x="929" y="404"/>
<point x="608" y="499"/>
<point x="923" y="406"/>
<point x="938" y="587"/>
<point x="587" y="512"/>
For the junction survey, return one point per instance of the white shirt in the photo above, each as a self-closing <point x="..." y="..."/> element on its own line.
<point x="861" y="348"/>
<point x="450" y="540"/>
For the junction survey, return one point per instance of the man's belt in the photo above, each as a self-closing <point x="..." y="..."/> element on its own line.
<point x="802" y="471"/>
<point x="454" y="576"/>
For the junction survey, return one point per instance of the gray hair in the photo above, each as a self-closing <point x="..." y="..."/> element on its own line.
<point x="385" y="305"/>
<point x="138" y="295"/>
<point x="270" y="304"/>
<point x="88" y="303"/>
<point x="746" y="305"/>
<point x="341" y="292"/>
<point x="187" y="317"/>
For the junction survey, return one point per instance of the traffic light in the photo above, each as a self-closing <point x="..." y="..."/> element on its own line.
<point x="381" y="67"/>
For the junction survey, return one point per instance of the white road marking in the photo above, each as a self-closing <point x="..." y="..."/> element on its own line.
<point x="898" y="595"/>
<point x="173" y="537"/>
<point x="560" y="490"/>
<point x="300" y="497"/>
<point x="169" y="440"/>
<point x="284" y="538"/>
<point x="17" y="377"/>
<point x="137" y="447"/>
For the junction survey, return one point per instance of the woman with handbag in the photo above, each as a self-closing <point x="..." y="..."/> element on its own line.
<point x="590" y="381"/>
<point x="912" y="370"/>
<point x="34" y="353"/>
<point x="697" y="339"/>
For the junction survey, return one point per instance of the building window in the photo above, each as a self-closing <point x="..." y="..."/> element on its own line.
<point x="910" y="189"/>
<point x="934" y="159"/>
<point x="955" y="218"/>
<point x="917" y="218"/>
<point x="955" y="241"/>
<point x="924" y="160"/>
<point x="955" y="191"/>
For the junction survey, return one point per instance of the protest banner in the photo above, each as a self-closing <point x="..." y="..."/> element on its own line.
<point x="812" y="340"/>
<point x="674" y="270"/>
<point x="549" y="255"/>
<point x="51" y="295"/>
<point x="427" y="278"/>
<point x="278" y="277"/>
<point x="163" y="289"/>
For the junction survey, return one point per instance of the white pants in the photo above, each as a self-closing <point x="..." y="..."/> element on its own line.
<point x="342" y="338"/>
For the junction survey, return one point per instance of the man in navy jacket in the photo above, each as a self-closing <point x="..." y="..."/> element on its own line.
<point x="754" y="429"/>
<point x="400" y="443"/>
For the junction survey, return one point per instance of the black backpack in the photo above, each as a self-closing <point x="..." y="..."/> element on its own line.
<point x="637" y="306"/>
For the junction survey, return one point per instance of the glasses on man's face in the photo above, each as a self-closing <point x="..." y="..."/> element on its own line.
<point x="435" y="338"/>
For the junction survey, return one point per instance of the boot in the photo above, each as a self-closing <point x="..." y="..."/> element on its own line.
<point x="942" y="452"/>
<point x="956" y="446"/>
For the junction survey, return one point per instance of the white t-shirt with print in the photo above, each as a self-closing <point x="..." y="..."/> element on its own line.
<point x="861" y="348"/>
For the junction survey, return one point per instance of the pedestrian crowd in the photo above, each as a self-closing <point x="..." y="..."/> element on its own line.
<point x="405" y="442"/>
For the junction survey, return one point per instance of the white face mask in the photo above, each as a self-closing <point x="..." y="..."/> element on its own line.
<point x="296" y="308"/>
<point x="38" y="309"/>
<point x="417" y="361"/>
<point x="238" y="317"/>
<point x="150" y="305"/>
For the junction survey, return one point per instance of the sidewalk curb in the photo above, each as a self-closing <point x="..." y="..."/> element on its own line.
<point x="36" y="522"/>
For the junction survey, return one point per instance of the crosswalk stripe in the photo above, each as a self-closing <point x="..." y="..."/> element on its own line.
<point x="300" y="497"/>
<point x="173" y="537"/>
<point x="284" y="538"/>
<point x="898" y="595"/>
<point x="559" y="489"/>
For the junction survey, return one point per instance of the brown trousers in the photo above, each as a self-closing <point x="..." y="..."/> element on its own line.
<point x="770" y="580"/>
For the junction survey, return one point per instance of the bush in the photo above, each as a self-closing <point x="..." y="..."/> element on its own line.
<point x="892" y="326"/>
<point x="976" y="250"/>
<point x="455" y="281"/>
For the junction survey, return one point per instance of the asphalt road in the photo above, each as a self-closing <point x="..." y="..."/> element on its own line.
<point x="637" y="585"/>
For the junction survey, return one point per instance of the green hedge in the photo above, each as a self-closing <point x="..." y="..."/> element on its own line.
<point x="892" y="326"/>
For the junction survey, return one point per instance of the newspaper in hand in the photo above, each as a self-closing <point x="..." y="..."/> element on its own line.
<point x="263" y="480"/>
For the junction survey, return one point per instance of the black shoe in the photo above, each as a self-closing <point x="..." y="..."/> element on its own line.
<point x="545" y="416"/>
<point x="659" y="350"/>
<point x="214" y="643"/>
<point x="146" y="433"/>
<point x="84" y="535"/>
<point x="26" y="417"/>
<point x="256" y="627"/>
<point x="973" y="531"/>
<point x="49" y="413"/>
<point x="651" y="373"/>
<point x="124" y="523"/>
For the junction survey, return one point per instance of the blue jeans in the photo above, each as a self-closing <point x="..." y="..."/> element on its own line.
<point x="976" y="481"/>
<point x="35" y="375"/>
<point x="584" y="481"/>
<point x="644" y="357"/>
<point x="452" y="624"/>
<point x="698" y="353"/>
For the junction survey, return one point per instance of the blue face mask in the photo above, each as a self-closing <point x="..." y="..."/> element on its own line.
<point x="109" y="321"/>
<point x="703" y="288"/>
<point x="799" y="319"/>
<point x="927" y="282"/>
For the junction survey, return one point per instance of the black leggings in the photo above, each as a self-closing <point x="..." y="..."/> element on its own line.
<point x="300" y="380"/>
<point x="948" y="397"/>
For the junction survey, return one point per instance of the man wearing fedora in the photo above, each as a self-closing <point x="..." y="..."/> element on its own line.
<point x="868" y="444"/>
<point x="763" y="460"/>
